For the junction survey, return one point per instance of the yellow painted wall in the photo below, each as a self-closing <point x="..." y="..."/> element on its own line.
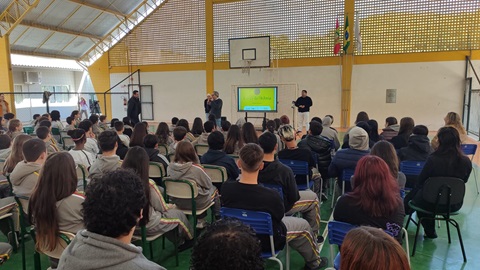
<point x="6" y="77"/>
<point x="100" y="75"/>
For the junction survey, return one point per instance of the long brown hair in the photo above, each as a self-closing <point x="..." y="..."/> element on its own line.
<point x="249" y="135"/>
<point x="137" y="159"/>
<point x="185" y="153"/>
<point x="139" y="132"/>
<point x="57" y="180"/>
<point x="372" y="248"/>
<point x="16" y="155"/>
<point x="386" y="151"/>
<point x="163" y="133"/>
<point x="233" y="138"/>
<point x="374" y="187"/>
<point x="406" y="126"/>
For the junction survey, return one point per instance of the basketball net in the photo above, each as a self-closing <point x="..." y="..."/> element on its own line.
<point x="246" y="67"/>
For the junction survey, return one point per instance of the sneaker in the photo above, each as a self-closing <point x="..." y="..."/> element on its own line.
<point x="202" y="223"/>
<point x="323" y="263"/>
<point x="186" y="245"/>
<point x="430" y="235"/>
<point x="320" y="239"/>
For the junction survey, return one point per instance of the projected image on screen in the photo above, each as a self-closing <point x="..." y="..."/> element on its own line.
<point x="257" y="99"/>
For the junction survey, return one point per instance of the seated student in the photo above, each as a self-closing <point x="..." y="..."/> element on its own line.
<point x="185" y="166"/>
<point x="158" y="216"/>
<point x="119" y="127"/>
<point x="48" y="124"/>
<point x="370" y="248"/>
<point x="348" y="158"/>
<point x="70" y="125"/>
<point x="391" y="128"/>
<point x="80" y="156"/>
<point x="216" y="156"/>
<point x="249" y="195"/>
<point x="234" y="141"/>
<point x="25" y="175"/>
<point x="211" y="117"/>
<point x="102" y="124"/>
<point x="3" y="128"/>
<point x="15" y="128"/>
<point x="128" y="126"/>
<point x="91" y="144"/>
<point x="112" y="123"/>
<point x="406" y="129"/>
<point x="197" y="127"/>
<point x="35" y="118"/>
<point x="375" y="198"/>
<point x="139" y="132"/>
<point x="225" y="127"/>
<point x="8" y="117"/>
<point x="292" y="152"/>
<point x="108" y="161"/>
<point x="5" y="146"/>
<point x="329" y="132"/>
<point x="150" y="143"/>
<point x="184" y="123"/>
<point x="75" y="115"/>
<point x="385" y="151"/>
<point x="249" y="134"/>
<point x="452" y="119"/>
<point x="112" y="208"/>
<point x="274" y="172"/>
<point x="174" y="123"/>
<point x="16" y="155"/>
<point x="56" y="122"/>
<point x="43" y="133"/>
<point x="95" y="126"/>
<point x="208" y="126"/>
<point x="320" y="146"/>
<point x="163" y="134"/>
<point x="233" y="238"/>
<point x="271" y="127"/>
<point x="55" y="205"/>
<point x="179" y="134"/>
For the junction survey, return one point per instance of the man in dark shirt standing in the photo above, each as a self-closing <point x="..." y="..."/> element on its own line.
<point x="216" y="108"/>
<point x="206" y="105"/>
<point x="303" y="103"/>
<point x="248" y="195"/>
<point x="134" y="107"/>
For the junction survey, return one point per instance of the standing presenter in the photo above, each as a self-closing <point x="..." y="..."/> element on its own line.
<point x="303" y="103"/>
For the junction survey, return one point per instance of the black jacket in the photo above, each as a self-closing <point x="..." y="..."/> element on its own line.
<point x="153" y="155"/>
<point x="278" y="174"/>
<point x="220" y="158"/>
<point x="216" y="108"/>
<point x="134" y="109"/>
<point x="321" y="146"/>
<point x="418" y="149"/>
<point x="400" y="141"/>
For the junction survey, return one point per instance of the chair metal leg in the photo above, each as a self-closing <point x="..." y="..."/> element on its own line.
<point x="407" y="247"/>
<point x="22" y="244"/>
<point x="175" y="245"/>
<point x="287" y="259"/>
<point x="448" y="231"/>
<point x="476" y="182"/>
<point x="416" y="236"/>
<point x="14" y="235"/>
<point x="333" y="194"/>
<point x="455" y="224"/>
<point x="151" y="250"/>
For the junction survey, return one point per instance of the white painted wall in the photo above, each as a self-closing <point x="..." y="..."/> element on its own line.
<point x="425" y="91"/>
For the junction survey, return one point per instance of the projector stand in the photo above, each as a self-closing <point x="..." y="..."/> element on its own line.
<point x="264" y="122"/>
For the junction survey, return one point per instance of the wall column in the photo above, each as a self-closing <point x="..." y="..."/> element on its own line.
<point x="6" y="75"/>
<point x="347" y="67"/>
<point x="100" y="76"/>
<point x="209" y="45"/>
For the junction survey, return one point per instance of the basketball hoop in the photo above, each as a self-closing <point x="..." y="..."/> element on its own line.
<point x="246" y="67"/>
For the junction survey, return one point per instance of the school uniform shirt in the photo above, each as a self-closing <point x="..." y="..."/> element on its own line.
<point x="24" y="177"/>
<point x="70" y="216"/>
<point x="82" y="157"/>
<point x="125" y="139"/>
<point x="103" y="165"/>
<point x="91" y="146"/>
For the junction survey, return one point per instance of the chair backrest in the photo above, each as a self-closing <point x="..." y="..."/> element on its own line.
<point x="218" y="174"/>
<point x="347" y="174"/>
<point x="298" y="167"/>
<point x="82" y="174"/>
<point x="443" y="190"/>
<point x="171" y="156"/>
<point x="337" y="231"/>
<point x="56" y="131"/>
<point x="469" y="149"/>
<point x="163" y="149"/>
<point x="201" y="149"/>
<point x="28" y="130"/>
<point x="181" y="189"/>
<point x="63" y="240"/>
<point x="156" y="170"/>
<point x="260" y="222"/>
<point x="275" y="187"/>
<point x="68" y="142"/>
<point x="411" y="167"/>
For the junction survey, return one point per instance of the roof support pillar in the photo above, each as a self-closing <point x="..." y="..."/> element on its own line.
<point x="6" y="75"/>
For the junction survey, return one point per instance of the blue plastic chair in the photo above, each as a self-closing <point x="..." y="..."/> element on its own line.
<point x="412" y="167"/>
<point x="470" y="150"/>
<point x="275" y="187"/>
<point x="261" y="223"/>
<point x="336" y="233"/>
<point x="299" y="168"/>
<point x="347" y="175"/>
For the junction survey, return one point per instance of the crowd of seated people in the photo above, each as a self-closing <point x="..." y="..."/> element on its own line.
<point x="44" y="173"/>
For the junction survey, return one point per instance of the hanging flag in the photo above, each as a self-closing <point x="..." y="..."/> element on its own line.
<point x="346" y="41"/>
<point x="337" y="46"/>
<point x="358" y="34"/>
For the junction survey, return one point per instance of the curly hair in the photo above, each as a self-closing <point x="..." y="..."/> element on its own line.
<point x="227" y="244"/>
<point x="114" y="203"/>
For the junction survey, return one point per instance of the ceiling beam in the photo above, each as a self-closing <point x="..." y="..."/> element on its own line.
<point x="43" y="54"/>
<point x="59" y="30"/>
<point x="14" y="14"/>
<point x="97" y="7"/>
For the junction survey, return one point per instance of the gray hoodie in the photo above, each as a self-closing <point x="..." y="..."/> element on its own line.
<point x="104" y="165"/>
<point x="25" y="177"/>
<point x="94" y="251"/>
<point x="4" y="153"/>
<point x="196" y="174"/>
<point x="202" y="139"/>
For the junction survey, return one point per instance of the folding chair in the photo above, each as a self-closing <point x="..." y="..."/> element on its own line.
<point x="150" y="239"/>
<point x="347" y="175"/>
<point x="201" y="149"/>
<point x="156" y="171"/>
<point x="163" y="149"/>
<point x="28" y="130"/>
<point x="470" y="150"/>
<point x="299" y="168"/>
<point x="68" y="143"/>
<point x="261" y="223"/>
<point x="336" y="233"/>
<point x="235" y="157"/>
<point x="82" y="175"/>
<point x="441" y="192"/>
<point x="24" y="230"/>
<point x="184" y="189"/>
<point x="218" y="174"/>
